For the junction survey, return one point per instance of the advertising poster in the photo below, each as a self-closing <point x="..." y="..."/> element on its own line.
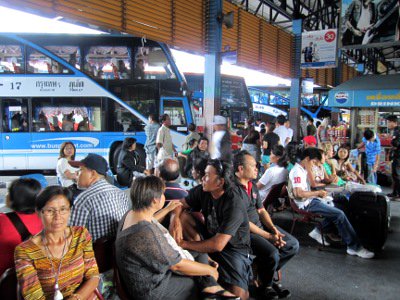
<point x="318" y="49"/>
<point x="370" y="22"/>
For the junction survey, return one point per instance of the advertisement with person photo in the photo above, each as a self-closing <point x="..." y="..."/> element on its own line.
<point x="370" y="22"/>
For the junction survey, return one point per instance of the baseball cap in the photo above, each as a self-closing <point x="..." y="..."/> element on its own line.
<point x="92" y="161"/>
<point x="219" y="120"/>
<point x="310" y="140"/>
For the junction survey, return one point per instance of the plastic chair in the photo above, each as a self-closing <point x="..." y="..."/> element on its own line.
<point x="9" y="285"/>
<point x="305" y="217"/>
<point x="276" y="192"/>
<point x="39" y="177"/>
<point x="103" y="251"/>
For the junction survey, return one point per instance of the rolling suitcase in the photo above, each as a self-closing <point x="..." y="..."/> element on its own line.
<point x="369" y="213"/>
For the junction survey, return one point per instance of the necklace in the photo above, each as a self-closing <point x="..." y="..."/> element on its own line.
<point x="57" y="293"/>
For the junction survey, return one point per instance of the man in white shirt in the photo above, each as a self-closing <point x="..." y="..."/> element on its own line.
<point x="299" y="190"/>
<point x="221" y="140"/>
<point x="281" y="129"/>
<point x="166" y="148"/>
<point x="290" y="132"/>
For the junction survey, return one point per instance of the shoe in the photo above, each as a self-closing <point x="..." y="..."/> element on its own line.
<point x="362" y="252"/>
<point x="270" y="293"/>
<point x="281" y="291"/>
<point x="334" y="237"/>
<point x="316" y="235"/>
<point x="218" y="295"/>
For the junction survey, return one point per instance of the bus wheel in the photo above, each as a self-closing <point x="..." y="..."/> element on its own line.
<point x="114" y="158"/>
<point x="142" y="154"/>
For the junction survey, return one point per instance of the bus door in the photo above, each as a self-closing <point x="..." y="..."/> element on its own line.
<point x="15" y="135"/>
<point x="179" y="111"/>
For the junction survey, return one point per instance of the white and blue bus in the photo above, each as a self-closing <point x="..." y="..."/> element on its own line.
<point x="93" y="90"/>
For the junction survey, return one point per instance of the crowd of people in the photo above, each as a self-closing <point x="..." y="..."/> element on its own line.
<point x="211" y="241"/>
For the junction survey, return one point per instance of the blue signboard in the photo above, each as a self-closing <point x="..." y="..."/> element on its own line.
<point x="364" y="98"/>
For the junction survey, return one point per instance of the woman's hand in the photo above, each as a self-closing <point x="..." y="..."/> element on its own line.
<point x="173" y="204"/>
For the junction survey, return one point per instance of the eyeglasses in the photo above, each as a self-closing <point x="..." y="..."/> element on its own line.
<point x="50" y="212"/>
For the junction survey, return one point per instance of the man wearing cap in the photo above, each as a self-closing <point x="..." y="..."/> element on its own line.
<point x="221" y="140"/>
<point x="309" y="141"/>
<point x="101" y="205"/>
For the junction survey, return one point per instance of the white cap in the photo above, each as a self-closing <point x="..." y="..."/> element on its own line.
<point x="219" y="120"/>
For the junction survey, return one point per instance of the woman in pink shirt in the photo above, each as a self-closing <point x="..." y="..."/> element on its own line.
<point x="21" y="199"/>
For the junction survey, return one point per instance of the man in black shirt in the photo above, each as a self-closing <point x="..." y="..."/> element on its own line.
<point x="270" y="139"/>
<point x="226" y="233"/>
<point x="395" y="155"/>
<point x="272" y="246"/>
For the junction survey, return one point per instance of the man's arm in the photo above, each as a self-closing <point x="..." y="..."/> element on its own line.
<point x="300" y="193"/>
<point x="215" y="244"/>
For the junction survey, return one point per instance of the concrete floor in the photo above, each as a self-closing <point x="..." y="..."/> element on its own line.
<point x="332" y="274"/>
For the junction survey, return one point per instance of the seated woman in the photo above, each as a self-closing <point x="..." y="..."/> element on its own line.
<point x="21" y="202"/>
<point x="199" y="169"/>
<point x="316" y="174"/>
<point x="330" y="170"/>
<point x="343" y="167"/>
<point x="67" y="174"/>
<point x="148" y="258"/>
<point x="200" y="151"/>
<point x="276" y="173"/>
<point x="129" y="164"/>
<point x="58" y="262"/>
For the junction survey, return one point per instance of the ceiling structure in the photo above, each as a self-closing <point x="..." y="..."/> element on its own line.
<point x="383" y="58"/>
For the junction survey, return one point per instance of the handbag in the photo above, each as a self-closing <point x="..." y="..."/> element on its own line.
<point x="19" y="225"/>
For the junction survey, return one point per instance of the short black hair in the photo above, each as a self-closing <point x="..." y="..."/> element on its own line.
<point x="392" y="118"/>
<point x="239" y="159"/>
<point x="263" y="131"/>
<point x="310" y="119"/>
<point x="293" y="152"/>
<point x="163" y="117"/>
<point x="144" y="190"/>
<point x="128" y="142"/>
<point x="203" y="138"/>
<point x="271" y="127"/>
<point x="22" y="193"/>
<point x="311" y="153"/>
<point x="224" y="171"/>
<point x="281" y="119"/>
<point x="192" y="127"/>
<point x="167" y="172"/>
<point x="368" y="134"/>
<point x="318" y="123"/>
<point x="49" y="193"/>
<point x="200" y="165"/>
<point x="280" y="151"/>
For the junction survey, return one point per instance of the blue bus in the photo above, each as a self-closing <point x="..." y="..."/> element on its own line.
<point x="93" y="90"/>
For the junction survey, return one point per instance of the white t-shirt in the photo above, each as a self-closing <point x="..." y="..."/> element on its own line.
<point x="283" y="133"/>
<point x="273" y="175"/>
<point x="298" y="179"/>
<point x="216" y="139"/>
<point x="62" y="166"/>
<point x="290" y="133"/>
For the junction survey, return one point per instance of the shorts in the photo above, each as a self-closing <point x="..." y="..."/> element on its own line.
<point x="234" y="267"/>
<point x="265" y="159"/>
<point x="151" y="160"/>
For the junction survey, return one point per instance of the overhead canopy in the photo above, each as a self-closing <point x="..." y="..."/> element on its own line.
<point x="367" y="91"/>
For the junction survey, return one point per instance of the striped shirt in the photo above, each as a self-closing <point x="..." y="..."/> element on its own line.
<point x="99" y="209"/>
<point x="34" y="271"/>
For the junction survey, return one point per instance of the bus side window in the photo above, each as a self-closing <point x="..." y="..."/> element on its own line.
<point x="174" y="108"/>
<point x="11" y="59"/>
<point x="39" y="63"/>
<point x="122" y="120"/>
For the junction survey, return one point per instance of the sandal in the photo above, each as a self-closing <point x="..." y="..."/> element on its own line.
<point x="281" y="291"/>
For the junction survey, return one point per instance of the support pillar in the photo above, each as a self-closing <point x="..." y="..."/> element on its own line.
<point x="212" y="73"/>
<point x="295" y="88"/>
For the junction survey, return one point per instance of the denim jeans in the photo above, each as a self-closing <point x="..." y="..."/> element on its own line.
<point x="372" y="176"/>
<point x="333" y="215"/>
